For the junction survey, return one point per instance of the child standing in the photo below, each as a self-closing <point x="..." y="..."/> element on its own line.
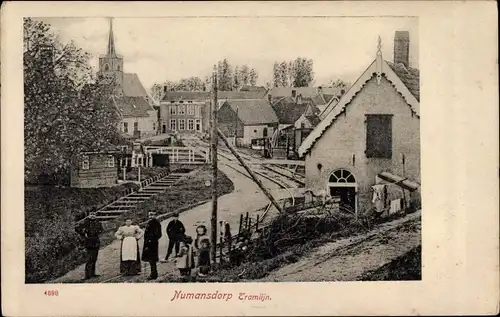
<point x="202" y="245"/>
<point x="185" y="261"/>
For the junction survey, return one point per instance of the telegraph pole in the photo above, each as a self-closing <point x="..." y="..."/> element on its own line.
<point x="213" y="147"/>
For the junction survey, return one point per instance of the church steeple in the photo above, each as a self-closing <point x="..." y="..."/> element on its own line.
<point x="111" y="64"/>
<point x="111" y="40"/>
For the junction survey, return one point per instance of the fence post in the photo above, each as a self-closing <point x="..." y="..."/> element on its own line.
<point x="246" y="222"/>
<point x="241" y="223"/>
<point x="257" y="224"/>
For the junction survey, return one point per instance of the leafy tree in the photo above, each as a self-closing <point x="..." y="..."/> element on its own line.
<point x="302" y="71"/>
<point x="66" y="109"/>
<point x="339" y="83"/>
<point x="157" y="91"/>
<point x="236" y="78"/>
<point x="253" y="77"/>
<point x="277" y="82"/>
<point x="225" y="80"/>
<point x="245" y="75"/>
<point x="296" y="73"/>
<point x="283" y="69"/>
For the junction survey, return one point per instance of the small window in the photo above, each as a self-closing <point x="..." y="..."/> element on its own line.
<point x="111" y="161"/>
<point x="190" y="124"/>
<point x="154" y="126"/>
<point x="172" y="101"/>
<point x="125" y="127"/>
<point x="173" y="124"/>
<point x="379" y="136"/>
<point x="136" y="126"/>
<point x="85" y="162"/>
<point x="182" y="123"/>
<point x="181" y="109"/>
<point x="189" y="101"/>
<point x="173" y="109"/>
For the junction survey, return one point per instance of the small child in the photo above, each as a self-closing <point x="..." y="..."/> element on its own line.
<point x="185" y="261"/>
<point x="204" y="257"/>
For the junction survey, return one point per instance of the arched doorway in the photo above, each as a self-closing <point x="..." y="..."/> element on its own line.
<point x="342" y="184"/>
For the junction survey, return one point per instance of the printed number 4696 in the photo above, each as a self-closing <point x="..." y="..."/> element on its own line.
<point x="52" y="293"/>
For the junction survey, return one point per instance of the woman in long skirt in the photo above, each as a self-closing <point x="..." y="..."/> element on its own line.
<point x="130" y="261"/>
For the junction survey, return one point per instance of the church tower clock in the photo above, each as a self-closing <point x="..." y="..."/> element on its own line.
<point x="111" y="64"/>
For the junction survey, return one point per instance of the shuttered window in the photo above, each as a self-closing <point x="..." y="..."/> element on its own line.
<point x="379" y="136"/>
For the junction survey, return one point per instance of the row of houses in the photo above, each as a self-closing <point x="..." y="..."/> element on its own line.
<point x="249" y="114"/>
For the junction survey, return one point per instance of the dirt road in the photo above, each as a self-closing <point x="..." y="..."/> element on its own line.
<point x="347" y="259"/>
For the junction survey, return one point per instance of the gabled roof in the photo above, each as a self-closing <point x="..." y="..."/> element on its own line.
<point x="409" y="76"/>
<point x="132" y="106"/>
<point x="253" y="111"/>
<point x="205" y="95"/>
<point x="378" y="66"/>
<point x="304" y="91"/>
<point x="241" y="94"/>
<point x="288" y="111"/>
<point x="253" y="88"/>
<point x="186" y="95"/>
<point x="132" y="86"/>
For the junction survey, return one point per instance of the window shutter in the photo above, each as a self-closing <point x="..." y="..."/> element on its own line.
<point x="379" y="136"/>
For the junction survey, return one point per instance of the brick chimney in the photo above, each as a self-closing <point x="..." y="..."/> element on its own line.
<point x="402" y="48"/>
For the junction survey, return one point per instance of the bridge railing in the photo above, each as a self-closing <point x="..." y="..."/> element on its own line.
<point x="183" y="155"/>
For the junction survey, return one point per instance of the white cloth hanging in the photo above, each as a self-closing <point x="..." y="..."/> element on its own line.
<point x="379" y="197"/>
<point x="395" y="206"/>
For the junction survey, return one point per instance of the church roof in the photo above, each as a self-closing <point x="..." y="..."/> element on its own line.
<point x="132" y="86"/>
<point x="132" y="106"/>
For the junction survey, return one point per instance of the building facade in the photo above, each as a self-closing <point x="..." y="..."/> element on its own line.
<point x="94" y="169"/>
<point x="189" y="111"/>
<point x="372" y="132"/>
<point x="184" y="112"/>
<point x="248" y="119"/>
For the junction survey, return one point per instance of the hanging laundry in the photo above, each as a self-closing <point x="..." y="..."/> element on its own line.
<point x="395" y="206"/>
<point x="379" y="197"/>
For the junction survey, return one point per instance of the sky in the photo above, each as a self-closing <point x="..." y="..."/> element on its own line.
<point x="160" y="49"/>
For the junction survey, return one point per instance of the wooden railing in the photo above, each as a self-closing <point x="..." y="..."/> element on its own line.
<point x="182" y="155"/>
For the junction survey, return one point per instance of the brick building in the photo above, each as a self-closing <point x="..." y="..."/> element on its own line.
<point x="371" y="136"/>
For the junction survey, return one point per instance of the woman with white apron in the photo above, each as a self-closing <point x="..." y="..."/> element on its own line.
<point x="130" y="261"/>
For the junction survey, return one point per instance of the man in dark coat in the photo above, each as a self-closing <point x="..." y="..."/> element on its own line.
<point x="90" y="231"/>
<point x="175" y="232"/>
<point x="150" y="250"/>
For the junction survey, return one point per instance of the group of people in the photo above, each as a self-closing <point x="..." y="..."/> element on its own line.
<point x="187" y="257"/>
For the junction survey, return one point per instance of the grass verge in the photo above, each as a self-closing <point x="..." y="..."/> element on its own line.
<point x="50" y="213"/>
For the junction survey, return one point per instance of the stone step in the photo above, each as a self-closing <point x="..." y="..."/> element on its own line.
<point x="128" y="198"/>
<point x="113" y="207"/>
<point x="111" y="212"/>
<point x="141" y="194"/>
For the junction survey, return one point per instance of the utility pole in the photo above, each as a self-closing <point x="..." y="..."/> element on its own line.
<point x="213" y="147"/>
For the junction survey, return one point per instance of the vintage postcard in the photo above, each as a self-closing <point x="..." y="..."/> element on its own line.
<point x="249" y="158"/>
